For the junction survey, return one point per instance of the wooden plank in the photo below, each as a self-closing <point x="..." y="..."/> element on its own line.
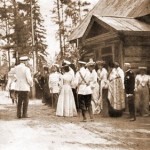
<point x="127" y="23"/>
<point x="101" y="38"/>
<point x="89" y="54"/>
<point x="115" y="23"/>
<point x="140" y="64"/>
<point x="141" y="25"/>
<point x="137" y="40"/>
<point x="123" y="8"/>
<point x="143" y="9"/>
<point x="135" y="51"/>
<point x="136" y="59"/>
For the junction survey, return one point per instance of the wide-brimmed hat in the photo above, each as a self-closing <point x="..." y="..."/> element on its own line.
<point x="101" y="62"/>
<point x="90" y="63"/>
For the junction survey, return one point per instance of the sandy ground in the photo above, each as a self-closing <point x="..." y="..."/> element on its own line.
<point x="45" y="131"/>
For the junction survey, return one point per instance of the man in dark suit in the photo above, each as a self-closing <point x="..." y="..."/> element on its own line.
<point x="129" y="89"/>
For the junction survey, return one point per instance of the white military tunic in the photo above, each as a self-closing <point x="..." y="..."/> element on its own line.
<point x="83" y="88"/>
<point x="24" y="78"/>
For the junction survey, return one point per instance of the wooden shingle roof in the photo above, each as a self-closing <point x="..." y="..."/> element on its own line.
<point x="125" y="24"/>
<point x="113" y="8"/>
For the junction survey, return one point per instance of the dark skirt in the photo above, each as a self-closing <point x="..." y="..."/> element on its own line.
<point x="112" y="112"/>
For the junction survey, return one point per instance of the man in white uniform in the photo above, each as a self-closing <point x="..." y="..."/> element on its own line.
<point x="84" y="91"/>
<point x="23" y="83"/>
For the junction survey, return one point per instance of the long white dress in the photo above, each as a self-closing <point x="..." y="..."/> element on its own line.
<point x="66" y="103"/>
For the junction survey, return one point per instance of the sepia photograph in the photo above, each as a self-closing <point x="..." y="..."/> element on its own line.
<point x="74" y="74"/>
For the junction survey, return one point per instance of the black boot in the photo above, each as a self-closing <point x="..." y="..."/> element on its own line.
<point x="84" y="115"/>
<point x="90" y="113"/>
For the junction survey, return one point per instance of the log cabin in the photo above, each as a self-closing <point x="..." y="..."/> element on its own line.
<point x="116" y="30"/>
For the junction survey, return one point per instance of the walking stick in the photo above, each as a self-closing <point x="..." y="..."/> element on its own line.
<point x="76" y="98"/>
<point x="52" y="98"/>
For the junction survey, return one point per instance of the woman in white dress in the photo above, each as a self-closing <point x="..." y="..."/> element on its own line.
<point x="103" y="87"/>
<point x="66" y="103"/>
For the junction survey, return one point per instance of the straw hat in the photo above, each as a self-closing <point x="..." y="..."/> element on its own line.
<point x="90" y="63"/>
<point x="101" y="62"/>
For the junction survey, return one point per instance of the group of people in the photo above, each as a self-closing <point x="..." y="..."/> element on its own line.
<point x="96" y="88"/>
<point x="89" y="87"/>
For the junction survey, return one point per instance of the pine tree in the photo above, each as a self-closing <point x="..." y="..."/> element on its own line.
<point x="67" y="16"/>
<point x="32" y="14"/>
<point x="17" y="15"/>
<point x="6" y="13"/>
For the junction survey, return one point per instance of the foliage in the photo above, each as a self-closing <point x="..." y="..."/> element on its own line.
<point x="67" y="14"/>
<point x="17" y="15"/>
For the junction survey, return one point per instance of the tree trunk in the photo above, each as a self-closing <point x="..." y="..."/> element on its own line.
<point x="60" y="36"/>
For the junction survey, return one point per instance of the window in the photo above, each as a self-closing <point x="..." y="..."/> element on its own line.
<point x="107" y="54"/>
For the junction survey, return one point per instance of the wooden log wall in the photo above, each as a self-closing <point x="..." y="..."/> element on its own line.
<point x="137" y="56"/>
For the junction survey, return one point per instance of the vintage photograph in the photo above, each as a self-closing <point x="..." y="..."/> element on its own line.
<point x="74" y="74"/>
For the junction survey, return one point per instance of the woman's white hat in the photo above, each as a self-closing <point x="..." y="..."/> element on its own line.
<point x="91" y="62"/>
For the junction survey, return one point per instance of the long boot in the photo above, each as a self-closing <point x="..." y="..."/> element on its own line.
<point x="84" y="115"/>
<point x="90" y="113"/>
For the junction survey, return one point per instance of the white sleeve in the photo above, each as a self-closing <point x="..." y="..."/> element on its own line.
<point x="29" y="77"/>
<point x="49" y="81"/>
<point x="76" y="79"/>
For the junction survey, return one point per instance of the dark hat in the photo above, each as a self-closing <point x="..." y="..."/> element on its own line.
<point x="45" y="68"/>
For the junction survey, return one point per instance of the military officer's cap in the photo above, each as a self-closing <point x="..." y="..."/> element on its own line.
<point x="24" y="58"/>
<point x="56" y="65"/>
<point x="67" y="62"/>
<point x="142" y="68"/>
<point x="127" y="64"/>
<point x="82" y="62"/>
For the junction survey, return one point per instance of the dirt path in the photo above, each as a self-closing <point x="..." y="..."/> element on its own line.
<point x="45" y="131"/>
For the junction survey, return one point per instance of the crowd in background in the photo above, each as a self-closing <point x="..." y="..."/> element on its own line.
<point x="91" y="87"/>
